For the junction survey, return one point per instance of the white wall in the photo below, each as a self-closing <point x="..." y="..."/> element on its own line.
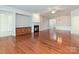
<point x="63" y="22"/>
<point x="75" y="21"/>
<point x="52" y="23"/>
<point x="36" y="17"/>
<point x="23" y="21"/>
<point x="7" y="23"/>
<point x="43" y="23"/>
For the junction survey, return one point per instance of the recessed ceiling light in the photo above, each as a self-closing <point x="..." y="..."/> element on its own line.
<point x="53" y="11"/>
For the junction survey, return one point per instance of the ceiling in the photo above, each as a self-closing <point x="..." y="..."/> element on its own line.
<point x="45" y="9"/>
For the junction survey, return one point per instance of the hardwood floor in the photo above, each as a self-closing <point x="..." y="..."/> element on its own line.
<point x="45" y="42"/>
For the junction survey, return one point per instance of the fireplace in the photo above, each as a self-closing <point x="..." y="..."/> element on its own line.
<point x="36" y="28"/>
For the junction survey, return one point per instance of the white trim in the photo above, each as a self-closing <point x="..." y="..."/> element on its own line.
<point x="11" y="9"/>
<point x="68" y="28"/>
<point x="7" y="33"/>
<point x="75" y="32"/>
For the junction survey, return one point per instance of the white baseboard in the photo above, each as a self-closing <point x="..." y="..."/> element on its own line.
<point x="75" y="32"/>
<point x="43" y="29"/>
<point x="7" y="33"/>
<point x="67" y="28"/>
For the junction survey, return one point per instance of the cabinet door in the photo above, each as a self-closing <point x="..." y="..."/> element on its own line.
<point x="29" y="30"/>
<point x="18" y="31"/>
<point x="25" y="30"/>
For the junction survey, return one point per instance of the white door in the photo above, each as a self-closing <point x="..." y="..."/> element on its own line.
<point x="7" y="23"/>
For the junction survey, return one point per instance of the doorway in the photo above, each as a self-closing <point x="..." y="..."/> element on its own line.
<point x="52" y="23"/>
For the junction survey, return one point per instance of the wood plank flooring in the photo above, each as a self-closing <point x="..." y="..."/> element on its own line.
<point x="45" y="42"/>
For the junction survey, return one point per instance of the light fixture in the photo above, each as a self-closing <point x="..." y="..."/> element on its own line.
<point x="53" y="11"/>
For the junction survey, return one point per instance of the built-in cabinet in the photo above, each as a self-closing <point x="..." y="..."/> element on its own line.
<point x="23" y="30"/>
<point x="23" y="24"/>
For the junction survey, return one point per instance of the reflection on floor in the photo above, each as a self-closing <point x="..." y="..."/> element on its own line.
<point x="45" y="42"/>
